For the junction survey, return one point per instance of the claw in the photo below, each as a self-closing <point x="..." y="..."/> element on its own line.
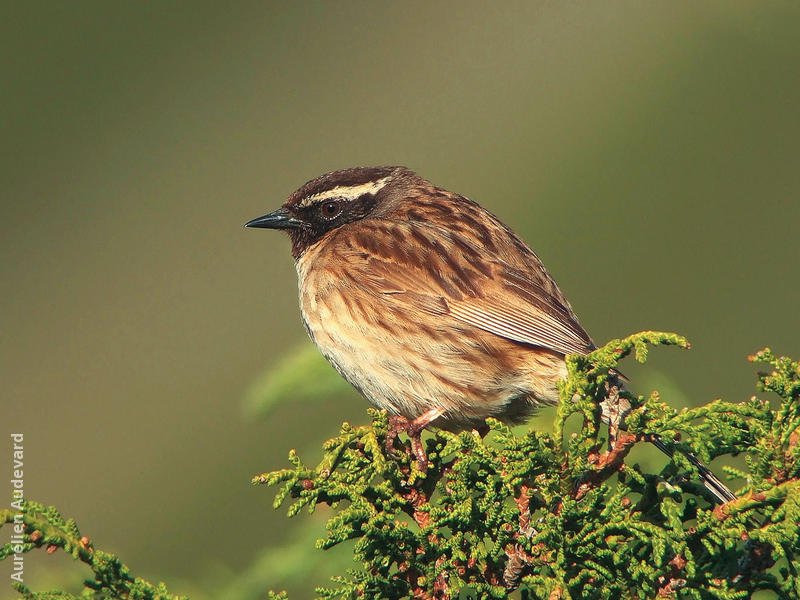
<point x="413" y="428"/>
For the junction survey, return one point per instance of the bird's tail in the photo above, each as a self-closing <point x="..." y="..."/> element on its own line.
<point x="616" y="415"/>
<point x="710" y="481"/>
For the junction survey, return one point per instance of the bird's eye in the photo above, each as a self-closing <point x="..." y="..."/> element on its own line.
<point x="330" y="209"/>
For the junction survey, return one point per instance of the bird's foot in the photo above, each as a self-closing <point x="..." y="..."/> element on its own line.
<point x="397" y="425"/>
<point x="413" y="427"/>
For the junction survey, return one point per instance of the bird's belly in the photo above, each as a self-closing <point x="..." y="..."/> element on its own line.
<point x="408" y="366"/>
<point x="380" y="366"/>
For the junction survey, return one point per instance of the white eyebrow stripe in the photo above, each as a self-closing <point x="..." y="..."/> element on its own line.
<point x="349" y="192"/>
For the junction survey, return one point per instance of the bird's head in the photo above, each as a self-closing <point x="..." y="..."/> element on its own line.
<point x="331" y="201"/>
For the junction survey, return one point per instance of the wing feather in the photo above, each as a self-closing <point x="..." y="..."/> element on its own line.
<point x="526" y="324"/>
<point x="515" y="299"/>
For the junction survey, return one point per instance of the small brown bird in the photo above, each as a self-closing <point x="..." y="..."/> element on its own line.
<point x="427" y="304"/>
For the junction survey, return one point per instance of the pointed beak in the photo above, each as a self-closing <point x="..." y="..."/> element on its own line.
<point x="280" y="219"/>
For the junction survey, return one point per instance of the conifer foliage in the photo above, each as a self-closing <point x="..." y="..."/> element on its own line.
<point x="559" y="515"/>
<point x="44" y="527"/>
<point x="538" y="515"/>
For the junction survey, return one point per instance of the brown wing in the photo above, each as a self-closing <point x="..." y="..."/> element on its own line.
<point x="522" y="311"/>
<point x="447" y="272"/>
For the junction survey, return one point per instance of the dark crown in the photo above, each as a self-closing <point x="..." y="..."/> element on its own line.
<point x="344" y="179"/>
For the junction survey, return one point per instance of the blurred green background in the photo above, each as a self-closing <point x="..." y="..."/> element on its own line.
<point x="649" y="152"/>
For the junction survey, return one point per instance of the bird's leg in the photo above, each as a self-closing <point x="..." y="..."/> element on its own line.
<point x="415" y="433"/>
<point x="413" y="428"/>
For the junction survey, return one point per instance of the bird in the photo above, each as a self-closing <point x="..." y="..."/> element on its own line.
<point x="429" y="305"/>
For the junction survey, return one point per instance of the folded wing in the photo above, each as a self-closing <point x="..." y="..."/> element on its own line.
<point x="445" y="273"/>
